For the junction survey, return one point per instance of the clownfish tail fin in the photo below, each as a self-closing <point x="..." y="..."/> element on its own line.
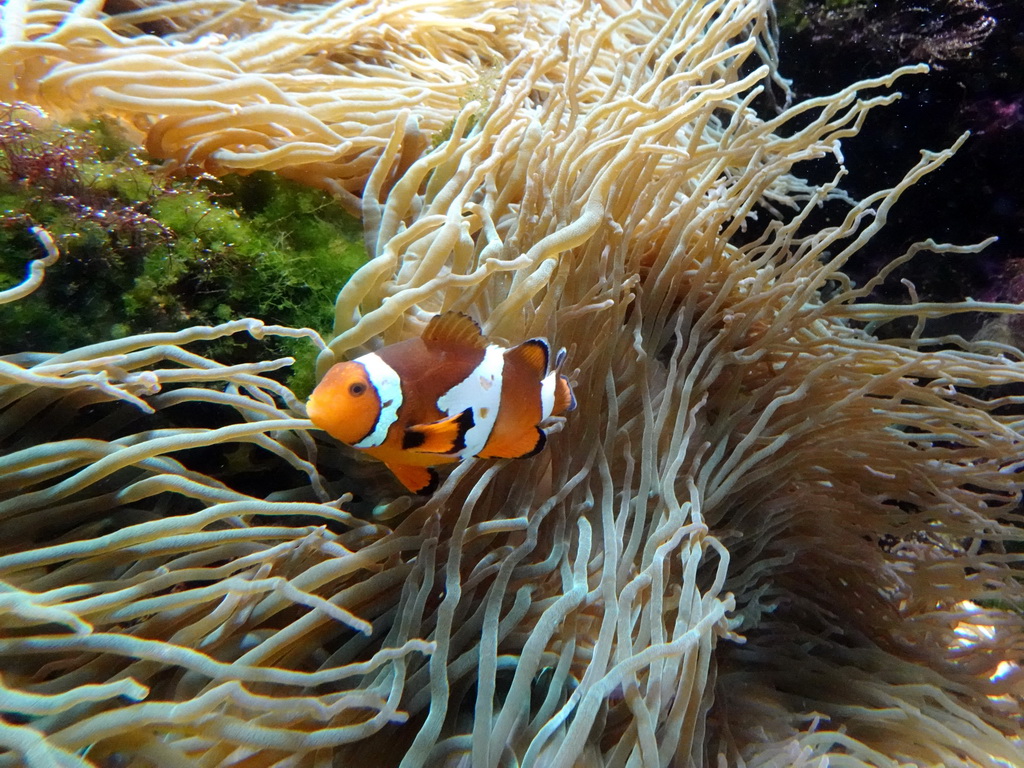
<point x="565" y="400"/>
<point x="559" y="358"/>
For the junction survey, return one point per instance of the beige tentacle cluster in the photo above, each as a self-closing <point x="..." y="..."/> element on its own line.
<point x="766" y="537"/>
<point x="309" y="92"/>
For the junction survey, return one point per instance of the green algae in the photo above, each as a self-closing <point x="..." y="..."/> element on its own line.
<point x="142" y="251"/>
<point x="795" y="15"/>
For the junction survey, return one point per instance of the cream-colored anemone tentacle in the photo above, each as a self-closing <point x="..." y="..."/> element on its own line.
<point x="258" y="87"/>
<point x="415" y="251"/>
<point x="757" y="495"/>
<point x="728" y="346"/>
<point x="36" y="268"/>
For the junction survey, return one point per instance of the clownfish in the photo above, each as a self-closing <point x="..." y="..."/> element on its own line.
<point x="441" y="398"/>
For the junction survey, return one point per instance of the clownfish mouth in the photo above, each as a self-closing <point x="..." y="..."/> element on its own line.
<point x="312" y="410"/>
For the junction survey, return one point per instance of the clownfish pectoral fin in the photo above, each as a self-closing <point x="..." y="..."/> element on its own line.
<point x="524" y="445"/>
<point x="422" y="480"/>
<point x="454" y="328"/>
<point x="533" y="353"/>
<point x="445" y="436"/>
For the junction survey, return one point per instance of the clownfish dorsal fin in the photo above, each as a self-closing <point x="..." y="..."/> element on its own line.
<point x="417" y="479"/>
<point x="444" y="436"/>
<point x="454" y="328"/>
<point x="533" y="353"/>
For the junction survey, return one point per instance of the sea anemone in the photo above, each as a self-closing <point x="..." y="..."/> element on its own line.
<point x="766" y="536"/>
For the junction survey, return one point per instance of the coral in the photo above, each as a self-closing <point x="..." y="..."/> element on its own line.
<point x="767" y="536"/>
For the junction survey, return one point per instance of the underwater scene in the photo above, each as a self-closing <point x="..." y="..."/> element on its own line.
<point x="469" y="384"/>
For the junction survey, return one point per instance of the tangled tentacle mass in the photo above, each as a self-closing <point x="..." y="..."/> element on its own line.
<point x="767" y="536"/>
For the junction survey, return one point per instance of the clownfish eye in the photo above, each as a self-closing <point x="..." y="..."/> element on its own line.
<point x="356" y="389"/>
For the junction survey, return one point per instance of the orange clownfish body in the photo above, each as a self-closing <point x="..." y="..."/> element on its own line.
<point x="442" y="398"/>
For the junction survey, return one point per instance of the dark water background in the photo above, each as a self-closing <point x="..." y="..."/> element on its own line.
<point x="976" y="53"/>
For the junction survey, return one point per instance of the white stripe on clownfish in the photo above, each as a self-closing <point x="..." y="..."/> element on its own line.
<point x="388" y="385"/>
<point x="480" y="391"/>
<point x="547" y="394"/>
